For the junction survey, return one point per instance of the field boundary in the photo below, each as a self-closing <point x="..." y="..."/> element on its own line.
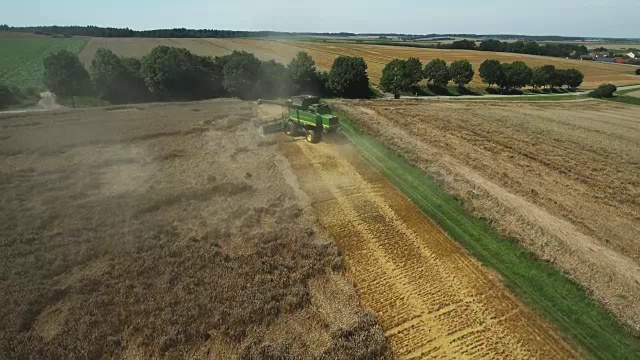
<point x="629" y="100"/>
<point x="86" y="41"/>
<point x="564" y="303"/>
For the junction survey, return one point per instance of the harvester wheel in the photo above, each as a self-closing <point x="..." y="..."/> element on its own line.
<point x="290" y="129"/>
<point x="313" y="136"/>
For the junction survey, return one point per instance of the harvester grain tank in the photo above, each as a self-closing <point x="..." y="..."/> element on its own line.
<point x="307" y="116"/>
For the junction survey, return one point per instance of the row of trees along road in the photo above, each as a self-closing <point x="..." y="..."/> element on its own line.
<point x="518" y="74"/>
<point x="168" y="74"/>
<point x="400" y="76"/>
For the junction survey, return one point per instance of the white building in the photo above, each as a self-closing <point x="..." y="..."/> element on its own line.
<point x="633" y="55"/>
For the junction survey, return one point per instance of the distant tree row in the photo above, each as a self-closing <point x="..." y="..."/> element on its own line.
<point x="518" y="74"/>
<point x="168" y="74"/>
<point x="399" y="75"/>
<point x="181" y="32"/>
<point x="512" y="37"/>
<point x="520" y="47"/>
<point x="96" y="31"/>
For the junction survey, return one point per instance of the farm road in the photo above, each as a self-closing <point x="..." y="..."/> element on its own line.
<point x="497" y="96"/>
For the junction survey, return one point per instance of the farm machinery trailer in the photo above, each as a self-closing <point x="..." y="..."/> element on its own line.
<point x="306" y="116"/>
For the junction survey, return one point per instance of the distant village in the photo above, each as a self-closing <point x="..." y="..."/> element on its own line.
<point x="604" y="55"/>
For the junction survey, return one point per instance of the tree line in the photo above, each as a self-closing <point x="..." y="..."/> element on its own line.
<point x="176" y="74"/>
<point x="399" y="75"/>
<point x="182" y="32"/>
<point x="96" y="31"/>
<point x="520" y="47"/>
<point x="518" y="74"/>
<point x="510" y="37"/>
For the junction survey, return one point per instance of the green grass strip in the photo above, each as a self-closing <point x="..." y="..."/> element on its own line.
<point x="540" y="286"/>
<point x="626" y="91"/>
<point x="625" y="100"/>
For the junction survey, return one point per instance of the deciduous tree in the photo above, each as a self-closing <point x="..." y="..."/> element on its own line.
<point x="437" y="72"/>
<point x="118" y="80"/>
<point x="7" y="96"/>
<point x="543" y="76"/>
<point x="604" y="91"/>
<point x="241" y="71"/>
<point x="491" y="45"/>
<point x="461" y="72"/>
<point x="302" y="71"/>
<point x="516" y="75"/>
<point x="396" y="77"/>
<point x="531" y="47"/>
<point x="210" y="74"/>
<point x="574" y="78"/>
<point x="463" y="44"/>
<point x="65" y="75"/>
<point x="177" y="74"/>
<point x="414" y="68"/>
<point x="491" y="72"/>
<point x="560" y="78"/>
<point x="348" y="77"/>
<point x="106" y="68"/>
<point x="274" y="81"/>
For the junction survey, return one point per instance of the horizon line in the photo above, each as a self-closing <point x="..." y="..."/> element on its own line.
<point x="329" y="32"/>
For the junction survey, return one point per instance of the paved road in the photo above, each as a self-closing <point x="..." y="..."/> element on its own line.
<point x="577" y="93"/>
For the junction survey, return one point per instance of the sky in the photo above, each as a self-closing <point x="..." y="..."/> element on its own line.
<point x="589" y="18"/>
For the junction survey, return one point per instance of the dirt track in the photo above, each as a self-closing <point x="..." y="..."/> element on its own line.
<point x="432" y="299"/>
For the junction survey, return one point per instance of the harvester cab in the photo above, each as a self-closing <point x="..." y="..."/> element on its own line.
<point x="307" y="116"/>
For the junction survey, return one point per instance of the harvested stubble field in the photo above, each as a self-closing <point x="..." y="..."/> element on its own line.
<point x="433" y="300"/>
<point x="165" y="230"/>
<point x="562" y="178"/>
<point x="138" y="47"/>
<point x="377" y="56"/>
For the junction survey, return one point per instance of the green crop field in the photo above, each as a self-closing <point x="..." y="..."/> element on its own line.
<point x="21" y="58"/>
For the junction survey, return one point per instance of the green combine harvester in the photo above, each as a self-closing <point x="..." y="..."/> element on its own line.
<point x="307" y="116"/>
